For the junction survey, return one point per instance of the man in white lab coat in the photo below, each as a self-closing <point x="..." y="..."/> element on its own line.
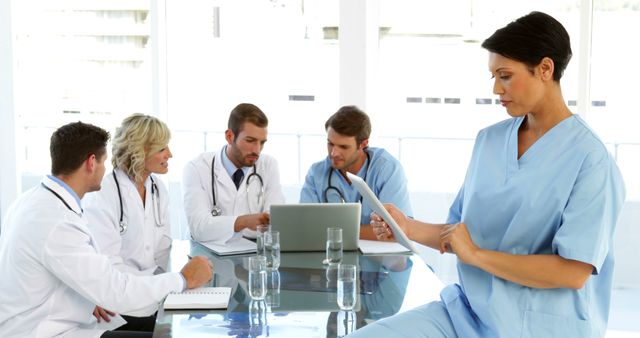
<point x="234" y="197"/>
<point x="53" y="274"/>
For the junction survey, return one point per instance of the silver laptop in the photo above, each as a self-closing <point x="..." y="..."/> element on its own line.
<point x="303" y="227"/>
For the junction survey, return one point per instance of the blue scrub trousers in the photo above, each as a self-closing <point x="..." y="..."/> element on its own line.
<point x="430" y="321"/>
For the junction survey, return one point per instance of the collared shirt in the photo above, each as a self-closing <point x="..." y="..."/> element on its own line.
<point x="229" y="166"/>
<point x="67" y="188"/>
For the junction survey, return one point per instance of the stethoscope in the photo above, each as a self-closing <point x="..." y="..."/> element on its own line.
<point x="330" y="187"/>
<point x="155" y="197"/>
<point x="216" y="210"/>
<point x="62" y="200"/>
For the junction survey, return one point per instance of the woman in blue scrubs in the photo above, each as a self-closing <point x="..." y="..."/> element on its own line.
<point x="532" y="226"/>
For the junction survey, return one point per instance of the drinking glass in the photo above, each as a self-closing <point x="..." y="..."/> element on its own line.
<point x="257" y="318"/>
<point x="334" y="246"/>
<point x="345" y="323"/>
<point x="331" y="274"/>
<point x="272" y="249"/>
<point x="347" y="286"/>
<point x="273" y="288"/>
<point x="260" y="231"/>
<point x="257" y="277"/>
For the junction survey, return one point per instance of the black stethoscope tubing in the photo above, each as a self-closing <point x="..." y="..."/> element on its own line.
<point x="332" y="187"/>
<point x="154" y="192"/>
<point x="216" y="210"/>
<point x="61" y="199"/>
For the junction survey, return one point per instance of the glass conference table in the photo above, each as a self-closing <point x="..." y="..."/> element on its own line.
<point x="301" y="295"/>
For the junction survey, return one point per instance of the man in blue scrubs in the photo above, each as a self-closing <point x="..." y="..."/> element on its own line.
<point x="533" y="224"/>
<point x="348" y="149"/>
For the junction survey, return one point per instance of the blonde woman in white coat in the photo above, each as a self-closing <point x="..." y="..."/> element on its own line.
<point x="129" y="216"/>
<point x="216" y="208"/>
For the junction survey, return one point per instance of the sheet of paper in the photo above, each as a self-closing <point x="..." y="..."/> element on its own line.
<point x="235" y="246"/>
<point x="116" y="322"/>
<point x="377" y="206"/>
<point x="379" y="247"/>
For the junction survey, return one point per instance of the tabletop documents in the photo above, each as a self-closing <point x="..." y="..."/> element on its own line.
<point x="237" y="245"/>
<point x="199" y="298"/>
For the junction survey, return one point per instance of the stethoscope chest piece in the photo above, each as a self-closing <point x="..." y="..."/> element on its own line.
<point x="216" y="211"/>
<point x="123" y="227"/>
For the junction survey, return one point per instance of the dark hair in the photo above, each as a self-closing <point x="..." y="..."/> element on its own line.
<point x="73" y="143"/>
<point x="531" y="38"/>
<point x="350" y="121"/>
<point x="246" y="112"/>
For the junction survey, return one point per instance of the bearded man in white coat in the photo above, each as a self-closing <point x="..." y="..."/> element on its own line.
<point x="53" y="274"/>
<point x="229" y="192"/>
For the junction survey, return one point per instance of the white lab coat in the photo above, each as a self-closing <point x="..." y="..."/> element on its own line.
<point x="198" y="199"/>
<point x="144" y="246"/>
<point x="52" y="273"/>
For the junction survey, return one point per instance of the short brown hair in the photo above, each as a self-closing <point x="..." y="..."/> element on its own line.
<point x="73" y="143"/>
<point x="350" y="121"/>
<point x="246" y="112"/>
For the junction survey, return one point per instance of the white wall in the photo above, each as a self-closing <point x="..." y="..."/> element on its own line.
<point x="9" y="179"/>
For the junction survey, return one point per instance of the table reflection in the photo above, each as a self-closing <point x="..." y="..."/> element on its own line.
<point x="301" y="297"/>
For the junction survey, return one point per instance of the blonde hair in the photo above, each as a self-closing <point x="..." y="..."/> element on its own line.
<point x="137" y="136"/>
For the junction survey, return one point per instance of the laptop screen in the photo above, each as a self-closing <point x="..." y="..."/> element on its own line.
<point x="303" y="227"/>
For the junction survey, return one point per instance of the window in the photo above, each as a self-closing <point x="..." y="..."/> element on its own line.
<point x="86" y="61"/>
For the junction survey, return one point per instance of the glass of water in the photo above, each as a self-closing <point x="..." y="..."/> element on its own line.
<point x="273" y="289"/>
<point x="334" y="246"/>
<point x="257" y="277"/>
<point x="257" y="318"/>
<point x="347" y="286"/>
<point x="260" y="231"/>
<point x="272" y="249"/>
<point x="345" y="323"/>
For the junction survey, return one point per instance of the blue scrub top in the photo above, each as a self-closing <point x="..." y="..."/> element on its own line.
<point x="563" y="196"/>
<point x="384" y="175"/>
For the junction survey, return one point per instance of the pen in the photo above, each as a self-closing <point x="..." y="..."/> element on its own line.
<point x="210" y="264"/>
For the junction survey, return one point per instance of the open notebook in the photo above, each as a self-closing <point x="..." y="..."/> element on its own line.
<point x="199" y="298"/>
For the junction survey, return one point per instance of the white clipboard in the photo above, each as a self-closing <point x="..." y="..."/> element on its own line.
<point x="377" y="206"/>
